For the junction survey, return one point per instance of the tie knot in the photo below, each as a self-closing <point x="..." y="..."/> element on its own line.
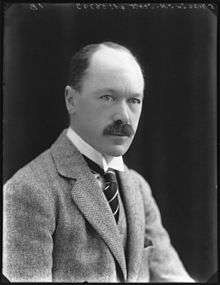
<point x="110" y="176"/>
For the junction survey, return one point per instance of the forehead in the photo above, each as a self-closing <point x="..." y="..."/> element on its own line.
<point x="111" y="68"/>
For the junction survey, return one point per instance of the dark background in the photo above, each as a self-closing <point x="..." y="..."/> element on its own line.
<point x="175" y="146"/>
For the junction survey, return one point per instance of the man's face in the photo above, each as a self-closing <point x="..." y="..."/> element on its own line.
<point x="108" y="107"/>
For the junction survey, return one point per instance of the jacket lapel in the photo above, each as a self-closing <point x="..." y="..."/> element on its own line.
<point x="88" y="196"/>
<point x="135" y="216"/>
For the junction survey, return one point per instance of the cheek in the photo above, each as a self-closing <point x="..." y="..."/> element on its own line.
<point x="97" y="113"/>
<point x="91" y="118"/>
<point x="86" y="111"/>
<point x="136" y="116"/>
<point x="89" y="106"/>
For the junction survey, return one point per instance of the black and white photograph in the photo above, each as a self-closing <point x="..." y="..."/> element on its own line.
<point x="109" y="142"/>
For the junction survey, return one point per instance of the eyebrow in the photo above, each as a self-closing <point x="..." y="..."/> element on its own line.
<point x="105" y="90"/>
<point x="114" y="91"/>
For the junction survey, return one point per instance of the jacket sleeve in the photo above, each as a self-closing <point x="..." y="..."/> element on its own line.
<point x="163" y="260"/>
<point x="28" y="224"/>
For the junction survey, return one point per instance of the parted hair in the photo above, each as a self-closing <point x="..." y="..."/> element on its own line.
<point x="79" y="62"/>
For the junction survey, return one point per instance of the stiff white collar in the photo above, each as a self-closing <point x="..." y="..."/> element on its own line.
<point x="115" y="162"/>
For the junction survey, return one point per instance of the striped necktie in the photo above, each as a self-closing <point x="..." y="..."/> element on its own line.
<point x="110" y="186"/>
<point x="111" y="192"/>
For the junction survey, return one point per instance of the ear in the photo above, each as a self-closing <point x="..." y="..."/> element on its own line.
<point x="70" y="99"/>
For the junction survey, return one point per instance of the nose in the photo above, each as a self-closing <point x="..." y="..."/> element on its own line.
<point x="122" y="113"/>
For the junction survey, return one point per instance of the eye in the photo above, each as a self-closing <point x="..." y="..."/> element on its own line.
<point x="134" y="100"/>
<point x="107" y="98"/>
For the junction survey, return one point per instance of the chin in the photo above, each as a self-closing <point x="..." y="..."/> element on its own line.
<point x="116" y="151"/>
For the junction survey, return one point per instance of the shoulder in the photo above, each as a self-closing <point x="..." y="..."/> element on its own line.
<point x="139" y="179"/>
<point x="39" y="170"/>
<point x="32" y="180"/>
<point x="28" y="198"/>
<point x="32" y="171"/>
<point x="141" y="183"/>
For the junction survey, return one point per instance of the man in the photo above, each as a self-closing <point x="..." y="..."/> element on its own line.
<point x="76" y="213"/>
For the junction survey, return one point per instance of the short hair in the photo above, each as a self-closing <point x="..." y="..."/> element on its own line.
<point x="80" y="61"/>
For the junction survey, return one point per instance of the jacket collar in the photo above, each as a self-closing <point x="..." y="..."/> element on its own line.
<point x="88" y="196"/>
<point x="91" y="201"/>
<point x="134" y="209"/>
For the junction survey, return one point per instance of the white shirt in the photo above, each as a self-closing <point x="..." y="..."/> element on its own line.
<point x="115" y="162"/>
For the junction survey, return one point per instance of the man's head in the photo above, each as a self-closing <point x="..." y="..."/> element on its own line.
<point x="104" y="97"/>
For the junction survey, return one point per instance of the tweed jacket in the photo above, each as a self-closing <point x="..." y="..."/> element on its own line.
<point x="58" y="227"/>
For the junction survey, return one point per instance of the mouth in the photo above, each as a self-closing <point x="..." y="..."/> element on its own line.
<point x="118" y="135"/>
<point x="118" y="139"/>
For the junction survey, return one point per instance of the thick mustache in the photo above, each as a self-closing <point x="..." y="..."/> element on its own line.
<point x="119" y="128"/>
